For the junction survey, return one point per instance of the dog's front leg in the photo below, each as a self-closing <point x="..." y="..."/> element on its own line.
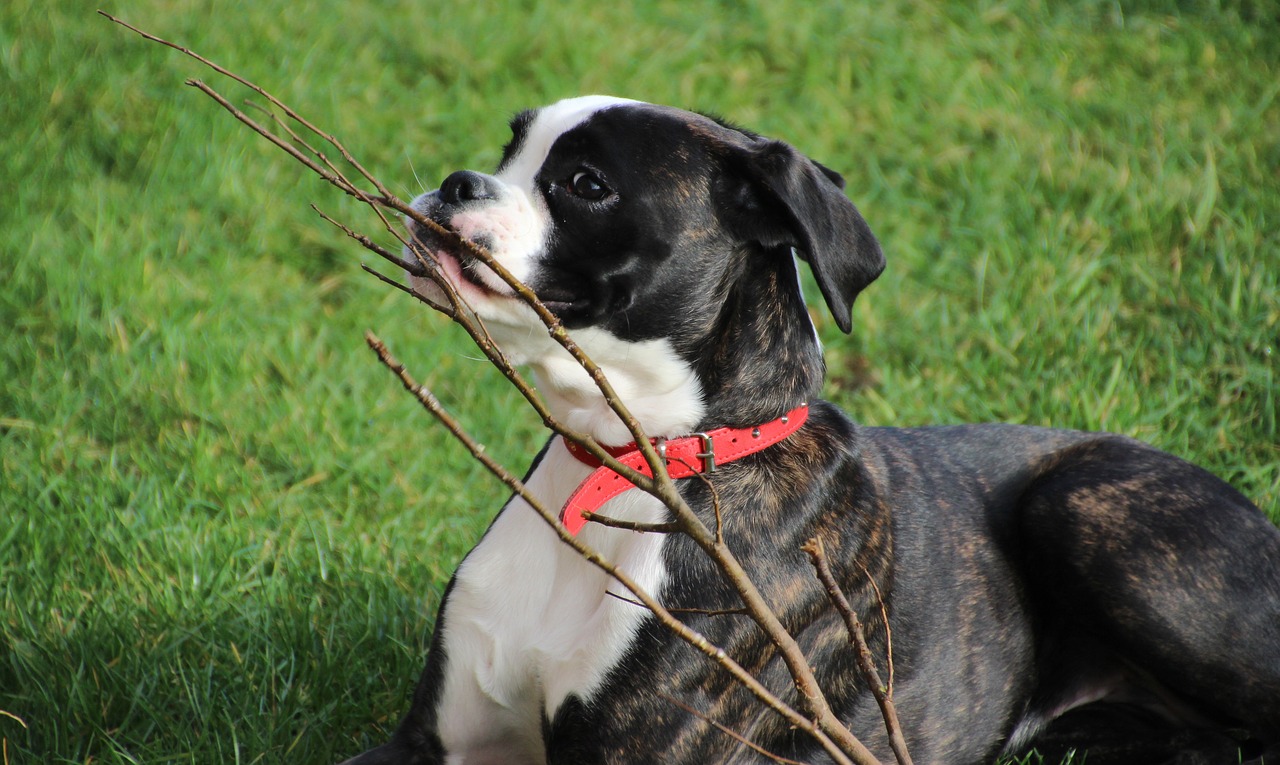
<point x="472" y="704"/>
<point x="457" y="723"/>
<point x="485" y="709"/>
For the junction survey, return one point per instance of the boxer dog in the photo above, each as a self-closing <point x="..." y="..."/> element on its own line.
<point x="1046" y="589"/>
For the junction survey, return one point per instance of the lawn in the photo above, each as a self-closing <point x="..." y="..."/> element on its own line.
<point x="225" y="528"/>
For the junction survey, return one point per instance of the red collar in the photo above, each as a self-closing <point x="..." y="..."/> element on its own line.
<point x="687" y="456"/>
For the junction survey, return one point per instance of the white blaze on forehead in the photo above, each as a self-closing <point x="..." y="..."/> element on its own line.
<point x="548" y="124"/>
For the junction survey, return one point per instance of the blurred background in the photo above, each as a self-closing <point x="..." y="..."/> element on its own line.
<point x="224" y="528"/>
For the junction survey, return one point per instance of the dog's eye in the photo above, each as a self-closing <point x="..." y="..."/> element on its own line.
<point x="587" y="186"/>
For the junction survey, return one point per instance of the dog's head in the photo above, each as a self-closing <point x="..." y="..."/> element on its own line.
<point x="662" y="238"/>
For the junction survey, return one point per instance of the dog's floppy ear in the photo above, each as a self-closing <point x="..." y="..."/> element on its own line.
<point x="790" y="200"/>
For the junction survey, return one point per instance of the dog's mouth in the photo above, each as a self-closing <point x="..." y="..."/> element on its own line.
<point x="461" y="270"/>
<point x="465" y="274"/>
<point x="476" y="283"/>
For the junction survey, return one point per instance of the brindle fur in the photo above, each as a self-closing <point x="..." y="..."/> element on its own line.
<point x="1018" y="566"/>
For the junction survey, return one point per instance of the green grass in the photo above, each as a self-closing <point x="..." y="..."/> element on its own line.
<point x="225" y="529"/>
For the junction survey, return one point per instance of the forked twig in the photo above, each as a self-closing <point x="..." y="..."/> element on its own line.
<point x="884" y="618"/>
<point x="862" y="652"/>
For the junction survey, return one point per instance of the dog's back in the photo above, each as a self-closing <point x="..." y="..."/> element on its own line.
<point x="1133" y="596"/>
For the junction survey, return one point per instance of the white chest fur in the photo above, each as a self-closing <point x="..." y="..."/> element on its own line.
<point x="529" y="622"/>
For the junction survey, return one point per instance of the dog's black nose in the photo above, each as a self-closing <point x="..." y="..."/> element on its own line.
<point x="466" y="186"/>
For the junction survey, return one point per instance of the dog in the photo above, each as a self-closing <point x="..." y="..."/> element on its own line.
<point x="1043" y="589"/>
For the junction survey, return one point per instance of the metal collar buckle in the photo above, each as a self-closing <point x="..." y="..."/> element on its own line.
<point x="708" y="453"/>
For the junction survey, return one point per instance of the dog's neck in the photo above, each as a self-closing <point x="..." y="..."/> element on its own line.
<point x="762" y="357"/>
<point x="659" y="389"/>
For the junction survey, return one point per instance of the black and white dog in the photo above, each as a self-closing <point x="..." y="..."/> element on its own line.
<point x="1043" y="588"/>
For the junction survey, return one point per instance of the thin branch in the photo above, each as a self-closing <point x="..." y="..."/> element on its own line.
<point x="715" y="499"/>
<point x="332" y="140"/>
<point x="282" y="144"/>
<point x="888" y="633"/>
<point x="471" y="324"/>
<point x="862" y="653"/>
<point x="806" y="682"/>
<point x="377" y="209"/>
<point x="474" y="328"/>
<point x="375" y="273"/>
<point x="700" y="611"/>
<point x="648" y="528"/>
<point x="432" y="271"/>
<point x="372" y="246"/>
<point x="293" y="134"/>
<point x="731" y="733"/>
